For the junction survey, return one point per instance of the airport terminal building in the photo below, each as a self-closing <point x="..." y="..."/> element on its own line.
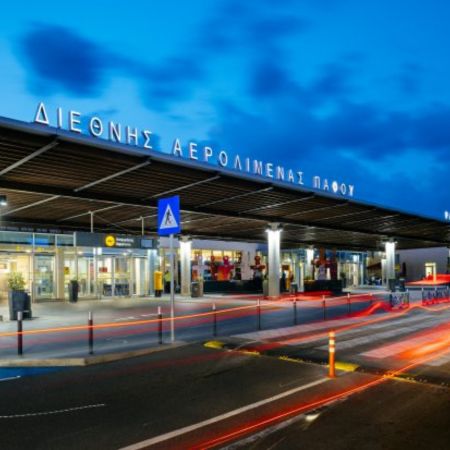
<point x="81" y="205"/>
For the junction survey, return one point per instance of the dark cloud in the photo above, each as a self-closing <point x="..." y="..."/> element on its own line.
<point x="63" y="61"/>
<point x="60" y="60"/>
<point x="409" y="78"/>
<point x="334" y="80"/>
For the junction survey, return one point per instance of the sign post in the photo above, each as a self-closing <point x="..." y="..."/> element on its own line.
<point x="168" y="225"/>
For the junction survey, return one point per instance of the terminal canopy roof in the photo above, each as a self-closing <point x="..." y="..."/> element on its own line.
<point x="55" y="179"/>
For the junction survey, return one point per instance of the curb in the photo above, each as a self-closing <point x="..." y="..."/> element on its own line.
<point x="88" y="360"/>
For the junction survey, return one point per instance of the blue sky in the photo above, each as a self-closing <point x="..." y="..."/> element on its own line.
<point x="352" y="90"/>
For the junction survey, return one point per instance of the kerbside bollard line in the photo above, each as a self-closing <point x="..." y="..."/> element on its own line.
<point x="214" y="320"/>
<point x="258" y="314"/>
<point x="160" y="326"/>
<point x="294" y="303"/>
<point x="331" y="354"/>
<point x="91" y="333"/>
<point x="19" y="333"/>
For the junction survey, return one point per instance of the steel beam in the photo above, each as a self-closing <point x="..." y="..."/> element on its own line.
<point x="234" y="197"/>
<point x="110" y="177"/>
<point x="276" y="205"/>
<point x="30" y="205"/>
<point x="29" y="157"/>
<point x="88" y="212"/>
<point x="182" y="188"/>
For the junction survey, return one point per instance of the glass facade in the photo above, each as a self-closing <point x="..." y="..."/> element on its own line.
<point x="48" y="262"/>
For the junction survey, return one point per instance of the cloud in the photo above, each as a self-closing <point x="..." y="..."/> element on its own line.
<point x="61" y="60"/>
<point x="408" y="79"/>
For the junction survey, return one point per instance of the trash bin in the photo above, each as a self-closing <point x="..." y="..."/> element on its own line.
<point x="158" y="283"/>
<point x="195" y="289"/>
<point x="19" y="301"/>
<point x="294" y="288"/>
<point x="391" y="284"/>
<point x="73" y="291"/>
<point x="401" y="285"/>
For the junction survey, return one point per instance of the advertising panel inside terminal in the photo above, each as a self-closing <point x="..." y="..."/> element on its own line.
<point x="116" y="132"/>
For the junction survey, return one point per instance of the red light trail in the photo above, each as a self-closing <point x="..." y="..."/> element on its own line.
<point x="272" y="419"/>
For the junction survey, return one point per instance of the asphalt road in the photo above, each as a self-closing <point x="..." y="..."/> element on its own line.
<point x="126" y="402"/>
<point x="394" y="415"/>
<point x="198" y="397"/>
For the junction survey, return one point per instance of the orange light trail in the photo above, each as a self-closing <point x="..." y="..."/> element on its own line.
<point x="266" y="305"/>
<point x="323" y="334"/>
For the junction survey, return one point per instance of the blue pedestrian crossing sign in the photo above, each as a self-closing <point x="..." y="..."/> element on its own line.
<point x="169" y="216"/>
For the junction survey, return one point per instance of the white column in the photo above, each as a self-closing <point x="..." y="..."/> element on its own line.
<point x="308" y="263"/>
<point x="185" y="263"/>
<point x="273" y="260"/>
<point x="59" y="273"/>
<point x="301" y="277"/>
<point x="390" y="260"/>
<point x="151" y="267"/>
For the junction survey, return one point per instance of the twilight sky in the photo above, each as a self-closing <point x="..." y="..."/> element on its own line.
<point x="351" y="90"/>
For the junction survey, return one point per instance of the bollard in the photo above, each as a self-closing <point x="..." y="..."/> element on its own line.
<point x="294" y="304"/>
<point x="324" y="306"/>
<point x="91" y="333"/>
<point x="214" y="320"/>
<point x="331" y="354"/>
<point x="160" y="328"/>
<point x="349" y="304"/>
<point x="19" y="333"/>
<point x="258" y="314"/>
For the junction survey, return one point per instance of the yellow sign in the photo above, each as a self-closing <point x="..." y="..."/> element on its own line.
<point x="110" y="241"/>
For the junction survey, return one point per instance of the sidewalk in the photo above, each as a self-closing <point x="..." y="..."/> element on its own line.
<point x="126" y="325"/>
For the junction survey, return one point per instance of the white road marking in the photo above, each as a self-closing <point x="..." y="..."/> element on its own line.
<point x="48" y="413"/>
<point x="439" y="361"/>
<point x="398" y="347"/>
<point x="235" y="412"/>
<point x="396" y="332"/>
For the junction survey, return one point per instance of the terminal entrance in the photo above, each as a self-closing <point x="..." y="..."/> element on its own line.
<point x="48" y="263"/>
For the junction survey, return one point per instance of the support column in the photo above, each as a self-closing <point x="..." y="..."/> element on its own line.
<point x="273" y="260"/>
<point x="185" y="263"/>
<point x="59" y="273"/>
<point x="390" y="261"/>
<point x="308" y="264"/>
<point x="301" y="276"/>
<point x="149" y="285"/>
